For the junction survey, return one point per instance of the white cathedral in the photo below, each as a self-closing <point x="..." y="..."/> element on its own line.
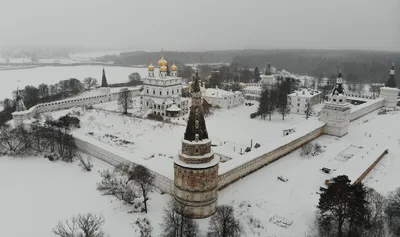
<point x="162" y="93"/>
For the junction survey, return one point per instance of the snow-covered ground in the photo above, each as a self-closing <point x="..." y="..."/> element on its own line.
<point x="37" y="193"/>
<point x="155" y="143"/>
<point x="296" y="199"/>
<point x="11" y="79"/>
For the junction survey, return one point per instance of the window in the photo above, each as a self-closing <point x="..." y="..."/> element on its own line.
<point x="154" y="92"/>
<point x="167" y="92"/>
<point x="177" y="90"/>
<point x="160" y="93"/>
<point x="298" y="104"/>
<point x="172" y="91"/>
<point x="298" y="99"/>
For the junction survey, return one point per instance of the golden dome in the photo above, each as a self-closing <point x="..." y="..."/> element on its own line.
<point x="173" y="67"/>
<point x="163" y="68"/>
<point x="150" y="67"/>
<point x="162" y="62"/>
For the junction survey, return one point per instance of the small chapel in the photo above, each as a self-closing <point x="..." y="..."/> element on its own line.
<point x="162" y="90"/>
<point x="196" y="166"/>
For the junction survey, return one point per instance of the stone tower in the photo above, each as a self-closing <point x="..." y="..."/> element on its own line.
<point x="196" y="167"/>
<point x="20" y="113"/>
<point x="390" y="92"/>
<point x="336" y="111"/>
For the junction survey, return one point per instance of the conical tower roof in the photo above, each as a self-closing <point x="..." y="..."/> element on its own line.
<point x="196" y="129"/>
<point x="391" y="82"/>
<point x="19" y="103"/>
<point x="104" y="79"/>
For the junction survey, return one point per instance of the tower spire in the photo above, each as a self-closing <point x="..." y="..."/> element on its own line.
<point x="391" y="82"/>
<point x="104" y="79"/>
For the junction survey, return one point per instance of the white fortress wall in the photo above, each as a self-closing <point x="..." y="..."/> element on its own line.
<point x="116" y="157"/>
<point x="366" y="108"/>
<point x="241" y="166"/>
<point x="71" y="102"/>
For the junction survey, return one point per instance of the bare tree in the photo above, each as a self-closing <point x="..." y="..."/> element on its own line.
<point x="224" y="223"/>
<point x="90" y="82"/>
<point x="392" y="212"/>
<point x="177" y="225"/>
<point x="10" y="139"/>
<point x="116" y="185"/>
<point x="86" y="225"/>
<point x="125" y="100"/>
<point x="144" y="226"/>
<point x="376" y="215"/>
<point x="85" y="163"/>
<point x="143" y="178"/>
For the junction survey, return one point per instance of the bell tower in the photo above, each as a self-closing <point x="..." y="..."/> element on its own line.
<point x="196" y="167"/>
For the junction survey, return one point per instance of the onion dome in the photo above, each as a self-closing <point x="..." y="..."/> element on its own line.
<point x="163" y="68"/>
<point x="150" y="67"/>
<point x="162" y="62"/>
<point x="173" y="67"/>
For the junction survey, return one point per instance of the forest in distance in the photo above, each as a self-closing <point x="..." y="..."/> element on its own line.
<point x="357" y="65"/>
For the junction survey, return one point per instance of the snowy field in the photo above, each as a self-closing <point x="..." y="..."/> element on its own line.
<point x="155" y="143"/>
<point x="296" y="199"/>
<point x="37" y="193"/>
<point x="11" y="79"/>
<point x="56" y="191"/>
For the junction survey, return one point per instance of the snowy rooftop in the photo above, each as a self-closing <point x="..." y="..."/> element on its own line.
<point x="305" y="93"/>
<point x="252" y="88"/>
<point x="217" y="93"/>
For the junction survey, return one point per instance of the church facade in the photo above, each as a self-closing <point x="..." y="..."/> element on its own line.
<point x="162" y="93"/>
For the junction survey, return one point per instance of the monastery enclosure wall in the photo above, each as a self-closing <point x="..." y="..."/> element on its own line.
<point x="68" y="103"/>
<point x="366" y="108"/>
<point x="115" y="158"/>
<point x="277" y="150"/>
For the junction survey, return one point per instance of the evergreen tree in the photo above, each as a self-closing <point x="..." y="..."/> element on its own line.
<point x="263" y="104"/>
<point x="309" y="110"/>
<point x="282" y="98"/>
<point x="104" y="80"/>
<point x="257" y="74"/>
<point x="342" y="208"/>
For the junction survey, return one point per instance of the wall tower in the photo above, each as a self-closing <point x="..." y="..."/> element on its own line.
<point x="336" y="111"/>
<point x="390" y="92"/>
<point x="196" y="167"/>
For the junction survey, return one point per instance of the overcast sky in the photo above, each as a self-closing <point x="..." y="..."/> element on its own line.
<point x="203" y="24"/>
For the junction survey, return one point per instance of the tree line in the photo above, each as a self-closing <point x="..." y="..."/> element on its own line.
<point x="45" y="93"/>
<point x="367" y="66"/>
<point x="52" y="137"/>
<point x="274" y="98"/>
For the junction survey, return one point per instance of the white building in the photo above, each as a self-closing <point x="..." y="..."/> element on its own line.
<point x="222" y="98"/>
<point x="162" y="93"/>
<point x="252" y="91"/>
<point x="299" y="100"/>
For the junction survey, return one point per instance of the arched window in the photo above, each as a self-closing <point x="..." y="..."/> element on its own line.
<point x="160" y="93"/>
